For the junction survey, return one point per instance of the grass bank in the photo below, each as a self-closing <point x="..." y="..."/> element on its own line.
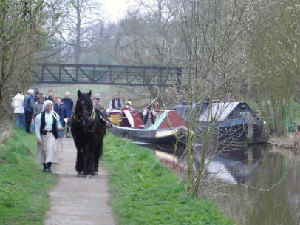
<point x="145" y="192"/>
<point x="23" y="187"/>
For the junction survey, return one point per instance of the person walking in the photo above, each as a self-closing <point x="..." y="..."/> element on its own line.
<point x="18" y="105"/>
<point x="36" y="94"/>
<point x="98" y="109"/>
<point x="47" y="126"/>
<point x="38" y="106"/>
<point x="51" y="96"/>
<point x="28" y="109"/>
<point x="68" y="103"/>
<point x="61" y="110"/>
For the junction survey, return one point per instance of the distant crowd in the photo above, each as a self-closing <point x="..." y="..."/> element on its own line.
<point x="27" y="107"/>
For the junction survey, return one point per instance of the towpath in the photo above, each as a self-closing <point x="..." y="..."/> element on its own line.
<point x="76" y="200"/>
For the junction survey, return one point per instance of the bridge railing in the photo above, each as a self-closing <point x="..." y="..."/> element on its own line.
<point x="106" y="74"/>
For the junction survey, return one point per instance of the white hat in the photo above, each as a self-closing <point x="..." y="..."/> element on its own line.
<point x="96" y="96"/>
<point x="46" y="103"/>
<point x="30" y="91"/>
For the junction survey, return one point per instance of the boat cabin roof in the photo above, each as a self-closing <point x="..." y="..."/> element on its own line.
<point x="219" y="111"/>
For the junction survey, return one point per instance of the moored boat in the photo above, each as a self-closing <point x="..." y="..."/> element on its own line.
<point x="168" y="127"/>
<point x="233" y="121"/>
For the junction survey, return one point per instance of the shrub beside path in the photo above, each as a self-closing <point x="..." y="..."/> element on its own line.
<point x="77" y="200"/>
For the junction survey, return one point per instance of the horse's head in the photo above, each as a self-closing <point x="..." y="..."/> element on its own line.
<point x="84" y="107"/>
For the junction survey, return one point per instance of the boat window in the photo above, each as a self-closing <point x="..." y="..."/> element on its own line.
<point x="245" y="114"/>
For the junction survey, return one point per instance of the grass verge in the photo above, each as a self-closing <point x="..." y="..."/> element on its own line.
<point x="145" y="192"/>
<point x="23" y="187"/>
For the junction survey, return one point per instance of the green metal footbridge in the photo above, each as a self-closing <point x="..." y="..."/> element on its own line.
<point x="106" y="74"/>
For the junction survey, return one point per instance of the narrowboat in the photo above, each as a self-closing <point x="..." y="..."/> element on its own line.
<point x="232" y="121"/>
<point x="167" y="128"/>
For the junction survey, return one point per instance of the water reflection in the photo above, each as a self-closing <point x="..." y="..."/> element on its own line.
<point x="241" y="179"/>
<point x="255" y="170"/>
<point x="229" y="170"/>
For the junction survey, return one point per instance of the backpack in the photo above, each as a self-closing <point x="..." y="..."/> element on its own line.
<point x="27" y="106"/>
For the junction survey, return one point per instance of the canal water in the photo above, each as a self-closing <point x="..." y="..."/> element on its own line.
<point x="257" y="185"/>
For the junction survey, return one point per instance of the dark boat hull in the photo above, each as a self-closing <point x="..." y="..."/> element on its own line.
<point x="165" y="137"/>
<point x="236" y="130"/>
<point x="230" y="120"/>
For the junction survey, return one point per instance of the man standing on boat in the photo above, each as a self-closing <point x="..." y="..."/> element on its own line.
<point x="116" y="103"/>
<point x="148" y="114"/>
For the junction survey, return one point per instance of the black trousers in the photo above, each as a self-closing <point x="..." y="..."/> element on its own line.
<point x="28" y="118"/>
<point x="145" y="119"/>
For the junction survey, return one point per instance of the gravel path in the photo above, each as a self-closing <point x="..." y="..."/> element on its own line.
<point x="77" y="200"/>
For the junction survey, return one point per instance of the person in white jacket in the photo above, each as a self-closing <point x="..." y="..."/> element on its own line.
<point x="47" y="126"/>
<point x="18" y="105"/>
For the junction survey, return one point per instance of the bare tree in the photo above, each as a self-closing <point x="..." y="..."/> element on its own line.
<point x="146" y="37"/>
<point x="211" y="33"/>
<point x="77" y="28"/>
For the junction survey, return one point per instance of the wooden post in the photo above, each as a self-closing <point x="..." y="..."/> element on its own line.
<point x="250" y="130"/>
<point x="250" y="155"/>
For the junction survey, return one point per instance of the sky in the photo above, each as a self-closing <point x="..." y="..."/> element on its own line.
<point x="113" y="10"/>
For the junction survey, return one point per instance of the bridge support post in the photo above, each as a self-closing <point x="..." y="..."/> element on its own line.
<point x="76" y="72"/>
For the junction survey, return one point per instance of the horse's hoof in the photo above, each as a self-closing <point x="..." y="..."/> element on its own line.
<point x="88" y="176"/>
<point x="79" y="174"/>
<point x="95" y="173"/>
<point x="47" y="170"/>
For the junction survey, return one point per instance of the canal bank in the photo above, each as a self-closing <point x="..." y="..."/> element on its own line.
<point x="23" y="187"/>
<point x="289" y="143"/>
<point x="259" y="184"/>
<point x="145" y="192"/>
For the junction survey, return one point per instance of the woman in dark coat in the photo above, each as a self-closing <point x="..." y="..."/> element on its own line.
<point x="61" y="110"/>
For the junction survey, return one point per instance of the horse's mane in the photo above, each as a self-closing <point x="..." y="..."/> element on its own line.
<point x="84" y="104"/>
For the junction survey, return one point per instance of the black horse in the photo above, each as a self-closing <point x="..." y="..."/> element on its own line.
<point x="88" y="127"/>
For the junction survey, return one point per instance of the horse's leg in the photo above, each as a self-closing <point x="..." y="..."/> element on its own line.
<point x="92" y="149"/>
<point x="98" y="153"/>
<point x="89" y="159"/>
<point x="85" y="160"/>
<point x="92" y="161"/>
<point x="79" y="159"/>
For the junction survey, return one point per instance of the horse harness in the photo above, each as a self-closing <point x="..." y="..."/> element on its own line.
<point x="92" y="119"/>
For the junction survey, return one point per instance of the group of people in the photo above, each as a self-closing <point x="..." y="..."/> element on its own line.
<point x="148" y="115"/>
<point x="48" y="117"/>
<point x="27" y="107"/>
